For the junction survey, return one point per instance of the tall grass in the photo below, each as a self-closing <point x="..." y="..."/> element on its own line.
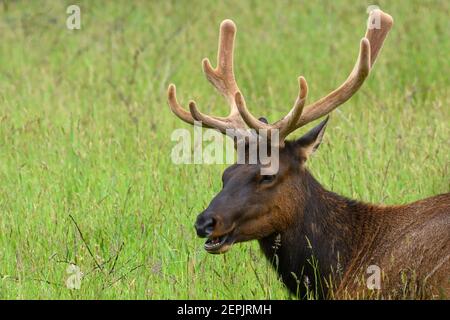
<point x="85" y="170"/>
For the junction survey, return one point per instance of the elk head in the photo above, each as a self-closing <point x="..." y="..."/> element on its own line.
<point x="252" y="205"/>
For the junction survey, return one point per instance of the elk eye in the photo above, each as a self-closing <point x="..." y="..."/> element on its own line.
<point x="267" y="178"/>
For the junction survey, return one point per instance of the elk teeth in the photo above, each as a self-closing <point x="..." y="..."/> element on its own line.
<point x="215" y="242"/>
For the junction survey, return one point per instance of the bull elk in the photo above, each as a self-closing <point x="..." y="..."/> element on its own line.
<point x="295" y="218"/>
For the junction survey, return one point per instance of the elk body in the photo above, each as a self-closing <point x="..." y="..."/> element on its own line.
<point x="318" y="240"/>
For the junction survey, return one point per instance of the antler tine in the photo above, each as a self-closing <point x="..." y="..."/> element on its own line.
<point x="337" y="97"/>
<point x="285" y="125"/>
<point x="176" y="108"/>
<point x="181" y="113"/>
<point x="370" y="47"/>
<point x="222" y="78"/>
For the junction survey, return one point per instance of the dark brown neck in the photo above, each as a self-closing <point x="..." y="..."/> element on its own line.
<point x="321" y="242"/>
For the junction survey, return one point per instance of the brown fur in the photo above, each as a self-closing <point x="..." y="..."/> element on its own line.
<point x="297" y="221"/>
<point x="306" y="231"/>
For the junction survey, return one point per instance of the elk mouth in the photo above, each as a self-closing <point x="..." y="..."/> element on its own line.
<point x="218" y="245"/>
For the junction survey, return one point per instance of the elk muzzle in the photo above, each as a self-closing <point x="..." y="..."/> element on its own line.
<point x="210" y="225"/>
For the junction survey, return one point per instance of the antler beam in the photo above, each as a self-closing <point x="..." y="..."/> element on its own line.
<point x="223" y="79"/>
<point x="370" y="46"/>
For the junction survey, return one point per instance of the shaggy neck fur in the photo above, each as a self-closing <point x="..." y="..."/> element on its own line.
<point x="320" y="242"/>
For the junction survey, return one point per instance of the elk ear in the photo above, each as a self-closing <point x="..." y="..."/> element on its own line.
<point x="310" y="141"/>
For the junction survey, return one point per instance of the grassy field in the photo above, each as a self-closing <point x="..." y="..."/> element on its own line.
<point x="85" y="170"/>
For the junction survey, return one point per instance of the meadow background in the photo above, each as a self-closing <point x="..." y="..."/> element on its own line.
<point x="85" y="170"/>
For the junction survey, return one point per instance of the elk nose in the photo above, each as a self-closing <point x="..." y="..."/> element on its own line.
<point x="204" y="226"/>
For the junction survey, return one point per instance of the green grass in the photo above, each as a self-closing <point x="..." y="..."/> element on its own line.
<point x="85" y="133"/>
